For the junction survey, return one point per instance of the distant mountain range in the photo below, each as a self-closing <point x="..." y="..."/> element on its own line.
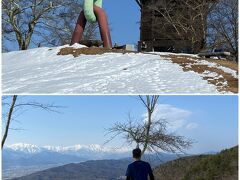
<point x="30" y="162"/>
<point x="220" y="166"/>
<point x="30" y="155"/>
<point x="94" y="170"/>
<point x="23" y="159"/>
<point x="33" y="149"/>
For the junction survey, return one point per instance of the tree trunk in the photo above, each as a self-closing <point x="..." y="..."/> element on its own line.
<point x="9" y="119"/>
<point x="148" y="130"/>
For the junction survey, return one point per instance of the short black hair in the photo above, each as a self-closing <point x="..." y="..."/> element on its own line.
<point x="137" y="153"/>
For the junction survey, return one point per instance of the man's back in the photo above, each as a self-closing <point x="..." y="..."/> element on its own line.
<point x="139" y="170"/>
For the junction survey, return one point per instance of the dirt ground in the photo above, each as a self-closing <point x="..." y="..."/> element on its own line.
<point x="89" y="51"/>
<point x="190" y="64"/>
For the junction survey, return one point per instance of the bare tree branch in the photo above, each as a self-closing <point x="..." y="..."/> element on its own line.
<point x="42" y="22"/>
<point x="223" y="27"/>
<point x="21" y="18"/>
<point x="16" y="106"/>
<point x="139" y="3"/>
<point x="151" y="135"/>
<point x="182" y="21"/>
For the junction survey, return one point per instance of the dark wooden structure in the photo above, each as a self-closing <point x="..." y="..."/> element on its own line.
<point x="156" y="34"/>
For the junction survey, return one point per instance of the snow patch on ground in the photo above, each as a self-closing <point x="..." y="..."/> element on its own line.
<point x="211" y="64"/>
<point x="229" y="71"/>
<point x="41" y="71"/>
<point x="179" y="54"/>
<point x="211" y="74"/>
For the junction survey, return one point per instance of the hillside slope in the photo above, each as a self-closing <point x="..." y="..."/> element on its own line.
<point x="222" y="166"/>
<point x="94" y="170"/>
<point x="90" y="170"/>
<point x="87" y="70"/>
<point x="24" y="159"/>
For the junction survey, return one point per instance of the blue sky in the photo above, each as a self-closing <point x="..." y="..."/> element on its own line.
<point x="124" y="18"/>
<point x="211" y="121"/>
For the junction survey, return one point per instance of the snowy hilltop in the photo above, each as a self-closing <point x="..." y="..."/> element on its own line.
<point x="81" y="70"/>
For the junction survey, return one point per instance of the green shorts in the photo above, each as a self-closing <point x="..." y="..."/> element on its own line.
<point x="88" y="9"/>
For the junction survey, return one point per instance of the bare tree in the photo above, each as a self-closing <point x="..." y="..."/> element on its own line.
<point x="13" y="105"/>
<point x="39" y="22"/>
<point x="139" y="3"/>
<point x="9" y="117"/>
<point x="223" y="27"/>
<point x="60" y="24"/>
<point x="151" y="134"/>
<point x="187" y="19"/>
<point x="20" y="17"/>
<point x="183" y="21"/>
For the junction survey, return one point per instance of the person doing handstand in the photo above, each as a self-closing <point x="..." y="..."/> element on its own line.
<point x="92" y="12"/>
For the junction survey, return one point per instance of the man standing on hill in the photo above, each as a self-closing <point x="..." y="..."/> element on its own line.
<point x="139" y="170"/>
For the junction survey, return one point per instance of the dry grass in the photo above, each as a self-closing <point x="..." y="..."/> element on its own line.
<point x="189" y="64"/>
<point x="89" y="51"/>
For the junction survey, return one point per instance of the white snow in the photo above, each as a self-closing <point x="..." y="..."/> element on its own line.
<point x="42" y="71"/>
<point x="90" y="148"/>
<point x="33" y="149"/>
<point x="215" y="65"/>
<point x="180" y="54"/>
<point x="26" y="148"/>
<point x="211" y="74"/>
<point x="228" y="70"/>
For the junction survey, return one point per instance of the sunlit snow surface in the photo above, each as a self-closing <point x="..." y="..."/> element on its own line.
<point x="42" y="71"/>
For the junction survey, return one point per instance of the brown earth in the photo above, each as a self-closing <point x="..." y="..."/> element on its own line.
<point x="89" y="51"/>
<point x="190" y="64"/>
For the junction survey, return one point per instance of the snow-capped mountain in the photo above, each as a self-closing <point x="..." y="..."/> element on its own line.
<point x="23" y="147"/>
<point x="93" y="148"/>
<point x="22" y="154"/>
<point x="89" y="148"/>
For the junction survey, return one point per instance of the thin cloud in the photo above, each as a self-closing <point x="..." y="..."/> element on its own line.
<point x="192" y="126"/>
<point x="175" y="117"/>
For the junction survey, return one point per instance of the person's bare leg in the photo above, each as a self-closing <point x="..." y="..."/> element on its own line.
<point x="78" y="31"/>
<point x="103" y="26"/>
